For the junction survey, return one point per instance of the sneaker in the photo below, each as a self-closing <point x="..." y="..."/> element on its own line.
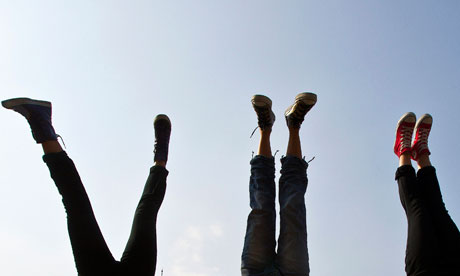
<point x="422" y="130"/>
<point x="263" y="107"/>
<point x="162" y="127"/>
<point x="404" y="131"/>
<point x="295" y="114"/>
<point x="38" y="114"/>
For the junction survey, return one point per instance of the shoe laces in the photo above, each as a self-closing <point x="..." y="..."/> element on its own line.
<point x="263" y="118"/>
<point x="253" y="131"/>
<point x="405" y="136"/>
<point x="62" y="140"/>
<point x="297" y="116"/>
<point x="421" y="141"/>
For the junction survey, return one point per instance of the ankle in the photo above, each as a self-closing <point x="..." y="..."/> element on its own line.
<point x="405" y="159"/>
<point x="423" y="161"/>
<point x="160" y="163"/>
<point x="294" y="130"/>
<point x="51" y="147"/>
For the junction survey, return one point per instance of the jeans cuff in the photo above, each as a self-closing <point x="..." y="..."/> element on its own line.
<point x="430" y="170"/>
<point x="293" y="161"/>
<point x="55" y="156"/>
<point x="263" y="160"/>
<point x="159" y="169"/>
<point x="404" y="170"/>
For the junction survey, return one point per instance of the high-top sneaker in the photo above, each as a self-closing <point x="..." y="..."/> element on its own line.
<point x="422" y="130"/>
<point x="404" y="131"/>
<point x="38" y="114"/>
<point x="263" y="107"/>
<point x="162" y="127"/>
<point x="295" y="113"/>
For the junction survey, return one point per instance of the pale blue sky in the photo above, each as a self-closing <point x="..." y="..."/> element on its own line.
<point x="110" y="66"/>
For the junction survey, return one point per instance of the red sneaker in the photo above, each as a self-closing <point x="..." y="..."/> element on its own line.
<point x="422" y="130"/>
<point x="404" y="131"/>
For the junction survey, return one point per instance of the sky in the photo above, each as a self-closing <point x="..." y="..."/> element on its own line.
<point x="109" y="67"/>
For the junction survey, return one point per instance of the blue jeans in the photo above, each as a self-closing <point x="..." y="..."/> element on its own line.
<point x="259" y="254"/>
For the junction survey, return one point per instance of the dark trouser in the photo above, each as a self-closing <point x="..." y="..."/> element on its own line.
<point x="259" y="256"/>
<point x="92" y="256"/>
<point x="433" y="242"/>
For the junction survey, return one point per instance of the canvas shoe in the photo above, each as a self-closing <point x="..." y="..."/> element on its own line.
<point x="295" y="113"/>
<point x="38" y="114"/>
<point x="422" y="130"/>
<point x="162" y="127"/>
<point x="404" y="131"/>
<point x="263" y="107"/>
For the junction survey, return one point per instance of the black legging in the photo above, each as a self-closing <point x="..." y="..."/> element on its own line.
<point x="433" y="242"/>
<point x="92" y="256"/>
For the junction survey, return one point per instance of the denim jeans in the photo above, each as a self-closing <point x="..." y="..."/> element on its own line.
<point x="259" y="254"/>
<point x="92" y="256"/>
<point x="433" y="241"/>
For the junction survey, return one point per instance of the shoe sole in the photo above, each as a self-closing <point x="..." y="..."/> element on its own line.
<point x="160" y="117"/>
<point x="421" y="119"/>
<point x="11" y="103"/>
<point x="261" y="101"/>
<point x="307" y="98"/>
<point x="403" y="117"/>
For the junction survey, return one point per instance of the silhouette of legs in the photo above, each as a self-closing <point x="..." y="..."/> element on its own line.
<point x="91" y="253"/>
<point x="259" y="256"/>
<point x="433" y="242"/>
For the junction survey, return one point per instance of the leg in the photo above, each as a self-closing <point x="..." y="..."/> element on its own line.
<point x="422" y="248"/>
<point x="92" y="256"/>
<point x="292" y="257"/>
<point x="140" y="255"/>
<point x="259" y="244"/>
<point x="447" y="234"/>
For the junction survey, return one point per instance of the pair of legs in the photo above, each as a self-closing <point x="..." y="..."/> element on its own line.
<point x="259" y="255"/>
<point x="92" y="256"/>
<point x="433" y="242"/>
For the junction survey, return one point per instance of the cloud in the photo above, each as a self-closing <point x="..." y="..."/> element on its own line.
<point x="189" y="251"/>
<point x="216" y="230"/>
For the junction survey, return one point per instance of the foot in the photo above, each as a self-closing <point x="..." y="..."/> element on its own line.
<point x="162" y="126"/>
<point x="38" y="114"/>
<point x="295" y="114"/>
<point x="263" y="107"/>
<point x="404" y="131"/>
<point x="422" y="130"/>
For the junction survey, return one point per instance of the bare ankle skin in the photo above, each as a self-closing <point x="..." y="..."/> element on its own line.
<point x="294" y="147"/>
<point x="264" y="143"/>
<point x="423" y="161"/>
<point x="51" y="147"/>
